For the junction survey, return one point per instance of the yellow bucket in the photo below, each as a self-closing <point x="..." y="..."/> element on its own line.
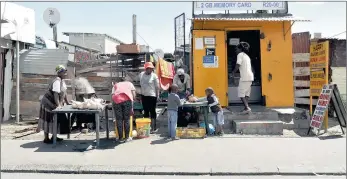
<point x="143" y="127"/>
<point x="130" y="132"/>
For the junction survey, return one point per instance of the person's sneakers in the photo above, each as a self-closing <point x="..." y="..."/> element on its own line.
<point x="175" y="138"/>
<point x="154" y="131"/>
<point x="246" y="111"/>
<point x="129" y="139"/>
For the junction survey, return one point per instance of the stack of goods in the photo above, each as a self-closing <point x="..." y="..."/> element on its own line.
<point x="193" y="132"/>
<point x="93" y="103"/>
<point x="128" y="48"/>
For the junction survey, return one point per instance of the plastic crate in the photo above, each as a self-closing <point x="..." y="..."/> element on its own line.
<point x="183" y="132"/>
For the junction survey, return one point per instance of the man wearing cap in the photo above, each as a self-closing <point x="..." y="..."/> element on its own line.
<point x="243" y="64"/>
<point x="149" y="82"/>
<point x="182" y="80"/>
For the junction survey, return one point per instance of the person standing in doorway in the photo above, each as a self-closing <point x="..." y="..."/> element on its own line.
<point x="243" y="64"/>
<point x="149" y="82"/>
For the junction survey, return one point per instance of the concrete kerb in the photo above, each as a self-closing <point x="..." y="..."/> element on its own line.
<point x="151" y="170"/>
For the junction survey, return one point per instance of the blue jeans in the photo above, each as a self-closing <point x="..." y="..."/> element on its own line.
<point x="172" y="122"/>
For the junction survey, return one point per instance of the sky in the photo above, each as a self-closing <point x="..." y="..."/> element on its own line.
<point x="155" y="20"/>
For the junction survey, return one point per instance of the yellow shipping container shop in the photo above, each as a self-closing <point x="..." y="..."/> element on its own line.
<point x="269" y="36"/>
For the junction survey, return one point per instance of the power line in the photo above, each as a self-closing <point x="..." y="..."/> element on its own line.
<point x="338" y="34"/>
<point x="144" y="41"/>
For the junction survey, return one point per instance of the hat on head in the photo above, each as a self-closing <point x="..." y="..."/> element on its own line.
<point x="149" y="65"/>
<point x="180" y="71"/>
<point x="60" y="68"/>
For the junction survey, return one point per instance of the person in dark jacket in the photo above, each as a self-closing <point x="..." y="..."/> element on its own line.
<point x="216" y="109"/>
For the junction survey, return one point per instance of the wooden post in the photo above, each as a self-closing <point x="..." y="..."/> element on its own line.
<point x="326" y="117"/>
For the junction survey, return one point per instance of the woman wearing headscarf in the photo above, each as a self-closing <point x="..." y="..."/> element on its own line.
<point x="54" y="98"/>
<point x="123" y="94"/>
<point x="149" y="82"/>
<point x="182" y="80"/>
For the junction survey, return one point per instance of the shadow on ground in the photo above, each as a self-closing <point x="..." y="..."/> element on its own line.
<point x="71" y="145"/>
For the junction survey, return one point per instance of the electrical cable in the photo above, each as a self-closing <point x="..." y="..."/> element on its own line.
<point x="337" y="34"/>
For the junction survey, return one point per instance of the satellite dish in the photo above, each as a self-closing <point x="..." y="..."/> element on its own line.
<point x="158" y="53"/>
<point x="51" y="16"/>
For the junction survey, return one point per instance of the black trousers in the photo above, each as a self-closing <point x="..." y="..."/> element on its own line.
<point x="122" y="112"/>
<point x="149" y="103"/>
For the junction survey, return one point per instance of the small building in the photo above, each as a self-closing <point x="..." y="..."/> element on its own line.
<point x="106" y="44"/>
<point x="269" y="35"/>
<point x="17" y="26"/>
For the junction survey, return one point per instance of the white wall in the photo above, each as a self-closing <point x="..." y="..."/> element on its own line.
<point x="101" y="43"/>
<point x="110" y="46"/>
<point x="89" y="42"/>
<point x="25" y="19"/>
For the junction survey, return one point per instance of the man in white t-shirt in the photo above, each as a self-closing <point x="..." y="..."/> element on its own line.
<point x="243" y="64"/>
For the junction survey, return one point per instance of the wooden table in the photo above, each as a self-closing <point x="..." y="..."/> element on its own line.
<point x="69" y="110"/>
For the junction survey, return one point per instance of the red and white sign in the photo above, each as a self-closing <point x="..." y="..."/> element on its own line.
<point x="322" y="106"/>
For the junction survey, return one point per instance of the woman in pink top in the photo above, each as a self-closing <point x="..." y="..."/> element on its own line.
<point x="123" y="94"/>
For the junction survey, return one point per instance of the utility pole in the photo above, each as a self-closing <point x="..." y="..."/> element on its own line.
<point x="17" y="78"/>
<point x="134" y="29"/>
<point x="55" y="35"/>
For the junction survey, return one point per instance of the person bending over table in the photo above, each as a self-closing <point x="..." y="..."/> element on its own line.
<point x="54" y="98"/>
<point x="123" y="94"/>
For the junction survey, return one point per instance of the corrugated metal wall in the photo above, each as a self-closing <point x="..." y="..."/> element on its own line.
<point x="301" y="42"/>
<point x="43" y="61"/>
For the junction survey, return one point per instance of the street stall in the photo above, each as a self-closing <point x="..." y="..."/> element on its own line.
<point x="199" y="129"/>
<point x="68" y="109"/>
<point x="93" y="106"/>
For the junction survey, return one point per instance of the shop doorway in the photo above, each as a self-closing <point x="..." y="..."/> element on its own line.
<point x="253" y="38"/>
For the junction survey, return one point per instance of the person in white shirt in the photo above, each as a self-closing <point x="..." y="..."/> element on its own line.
<point x="54" y="98"/>
<point x="243" y="64"/>
<point x="150" y="91"/>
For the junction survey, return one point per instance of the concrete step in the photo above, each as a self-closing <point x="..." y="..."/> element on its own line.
<point x="255" y="123"/>
<point x="257" y="127"/>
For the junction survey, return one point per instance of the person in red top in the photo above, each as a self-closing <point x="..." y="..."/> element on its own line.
<point x="123" y="94"/>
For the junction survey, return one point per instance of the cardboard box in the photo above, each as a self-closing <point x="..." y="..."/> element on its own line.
<point x="128" y="48"/>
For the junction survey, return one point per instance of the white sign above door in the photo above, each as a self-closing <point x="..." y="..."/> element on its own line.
<point x="238" y="6"/>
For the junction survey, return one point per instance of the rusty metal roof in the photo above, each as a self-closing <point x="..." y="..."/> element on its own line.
<point x="247" y="17"/>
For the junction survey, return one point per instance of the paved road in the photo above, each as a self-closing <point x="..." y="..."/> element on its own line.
<point x="57" y="176"/>
<point x="216" y="155"/>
